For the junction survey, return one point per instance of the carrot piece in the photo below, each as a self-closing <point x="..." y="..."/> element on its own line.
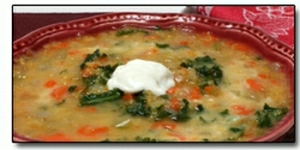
<point x="184" y="42"/>
<point x="50" y="83"/>
<point x="90" y="109"/>
<point x="173" y="90"/>
<point x="127" y="97"/>
<point x="90" y="131"/>
<point x="58" y="137"/>
<point x="242" y="110"/>
<point x="73" y="52"/>
<point x="253" y="84"/>
<point x="152" y="51"/>
<point x="208" y="89"/>
<point x="194" y="93"/>
<point x="179" y="136"/>
<point x="175" y="104"/>
<point x="86" y="72"/>
<point x="242" y="47"/>
<point x="164" y="124"/>
<point x="264" y="76"/>
<point x="59" y="92"/>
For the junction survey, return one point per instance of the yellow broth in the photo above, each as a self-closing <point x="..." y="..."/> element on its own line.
<point x="46" y="108"/>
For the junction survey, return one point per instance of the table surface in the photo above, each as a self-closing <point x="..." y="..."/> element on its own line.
<point x="24" y="23"/>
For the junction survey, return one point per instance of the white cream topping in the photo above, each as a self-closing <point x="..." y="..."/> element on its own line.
<point x="138" y="75"/>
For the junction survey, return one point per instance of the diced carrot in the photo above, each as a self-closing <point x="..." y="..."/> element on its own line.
<point x="253" y="84"/>
<point x="86" y="72"/>
<point x="50" y="83"/>
<point x="58" y="137"/>
<point x="242" y="47"/>
<point x="164" y="124"/>
<point x="242" y="110"/>
<point x="176" y="135"/>
<point x="73" y="52"/>
<point x="127" y="97"/>
<point x="87" y="130"/>
<point x="173" y="90"/>
<point x="60" y="46"/>
<point x="59" y="92"/>
<point x="175" y="104"/>
<point x="264" y="76"/>
<point x="208" y="89"/>
<point x="194" y="93"/>
<point x="184" y="42"/>
<point x="152" y="51"/>
<point x="63" y="45"/>
<point x="90" y="109"/>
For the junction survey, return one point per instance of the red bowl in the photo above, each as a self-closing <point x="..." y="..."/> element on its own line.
<point x="269" y="47"/>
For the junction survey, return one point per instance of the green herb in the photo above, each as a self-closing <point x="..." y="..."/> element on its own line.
<point x="182" y="115"/>
<point x="72" y="88"/>
<point x="164" y="97"/>
<point x="199" y="108"/>
<point x="63" y="71"/>
<point x="269" y="115"/>
<point x="162" y="45"/>
<point x="205" y="140"/>
<point x="145" y="139"/>
<point x="124" y="32"/>
<point x="207" y="69"/>
<point x="202" y="119"/>
<point x="61" y="102"/>
<point x="224" y="113"/>
<point x="139" y="107"/>
<point x="217" y="46"/>
<point x="92" y="57"/>
<point x="238" y="130"/>
<point x="106" y="72"/>
<point x="162" y="113"/>
<point x="92" y="99"/>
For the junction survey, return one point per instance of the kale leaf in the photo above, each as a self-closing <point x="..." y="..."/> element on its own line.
<point x="139" y="107"/>
<point x="92" y="99"/>
<point x="269" y="116"/>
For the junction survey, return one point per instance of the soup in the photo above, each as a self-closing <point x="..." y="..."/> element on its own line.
<point x="223" y="90"/>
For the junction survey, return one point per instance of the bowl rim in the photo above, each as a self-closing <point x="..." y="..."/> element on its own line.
<point x="21" y="44"/>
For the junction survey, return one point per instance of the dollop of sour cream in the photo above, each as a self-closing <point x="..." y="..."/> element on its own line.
<point x="138" y="75"/>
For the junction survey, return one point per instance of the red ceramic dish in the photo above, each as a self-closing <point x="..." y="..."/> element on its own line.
<point x="270" y="48"/>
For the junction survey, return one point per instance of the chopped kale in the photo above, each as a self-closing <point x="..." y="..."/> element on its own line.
<point x="162" y="45"/>
<point x="145" y="139"/>
<point x="268" y="116"/>
<point x="182" y="115"/>
<point x="92" y="99"/>
<point x="139" y="107"/>
<point x="207" y="69"/>
<point x="224" y="113"/>
<point x="202" y="120"/>
<point x="61" y="102"/>
<point x="92" y="57"/>
<point x="199" y="108"/>
<point x="124" y="32"/>
<point x="72" y="88"/>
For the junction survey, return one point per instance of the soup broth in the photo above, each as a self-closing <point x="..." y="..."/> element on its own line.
<point x="224" y="90"/>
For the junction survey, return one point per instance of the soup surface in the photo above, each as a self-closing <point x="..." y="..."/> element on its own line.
<point x="223" y="91"/>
